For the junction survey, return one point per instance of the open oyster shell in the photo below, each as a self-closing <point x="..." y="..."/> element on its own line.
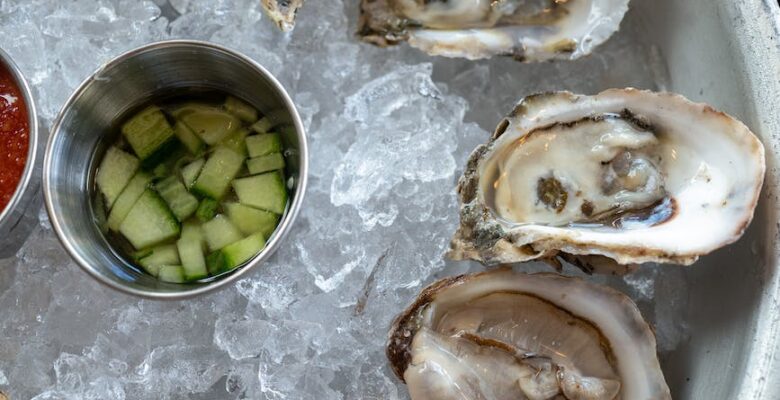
<point x="507" y="335"/>
<point x="282" y="12"/>
<point x="528" y="30"/>
<point x="608" y="181"/>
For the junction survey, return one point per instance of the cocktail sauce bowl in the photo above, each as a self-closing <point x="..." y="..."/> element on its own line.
<point x="89" y="122"/>
<point x="20" y="214"/>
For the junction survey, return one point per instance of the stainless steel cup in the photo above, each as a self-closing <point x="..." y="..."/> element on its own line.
<point x="20" y="215"/>
<point x="88" y="122"/>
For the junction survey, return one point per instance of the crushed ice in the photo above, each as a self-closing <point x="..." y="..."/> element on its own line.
<point x="388" y="131"/>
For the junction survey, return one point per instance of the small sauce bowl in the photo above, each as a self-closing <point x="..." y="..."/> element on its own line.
<point x="20" y="213"/>
<point x="89" y="122"/>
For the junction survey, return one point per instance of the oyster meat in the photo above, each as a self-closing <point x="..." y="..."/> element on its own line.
<point x="282" y="12"/>
<point x="608" y="181"/>
<point x="507" y="335"/>
<point x="529" y="30"/>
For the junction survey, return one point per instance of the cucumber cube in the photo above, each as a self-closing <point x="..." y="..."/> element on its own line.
<point x="181" y="202"/>
<point x="165" y="254"/>
<point x="187" y="108"/>
<point x="207" y="209"/>
<point x="160" y="171"/>
<point x="149" y="222"/>
<point x="211" y="124"/>
<point x="171" y="274"/>
<point x="116" y="170"/>
<point x="242" y="251"/>
<point x="251" y="220"/>
<point x="127" y="199"/>
<point x="153" y="270"/>
<point x="236" y="141"/>
<point x="260" y="145"/>
<point x="190" y="247"/>
<point x="149" y="134"/>
<point x="191" y="171"/>
<point x="265" y="191"/>
<point x="240" y="109"/>
<point x="220" y="232"/>
<point x="266" y="163"/>
<point x="269" y="121"/>
<point x="219" y="170"/>
<point x="215" y="263"/>
<point x="187" y="137"/>
<point x="235" y="254"/>
<point x="142" y="253"/>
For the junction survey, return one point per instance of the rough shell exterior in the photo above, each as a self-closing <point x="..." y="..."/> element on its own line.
<point x="282" y="12"/>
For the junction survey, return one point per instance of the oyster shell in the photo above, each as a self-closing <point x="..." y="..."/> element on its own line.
<point x="528" y="30"/>
<point x="282" y="12"/>
<point x="508" y="335"/>
<point x="608" y="181"/>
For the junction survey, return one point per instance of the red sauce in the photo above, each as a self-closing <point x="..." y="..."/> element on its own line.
<point x="14" y="136"/>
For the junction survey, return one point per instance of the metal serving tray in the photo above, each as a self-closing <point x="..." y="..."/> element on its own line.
<point x="723" y="52"/>
<point x="727" y="53"/>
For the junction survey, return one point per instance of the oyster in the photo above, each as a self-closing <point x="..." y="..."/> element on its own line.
<point x="282" y="12"/>
<point x="608" y="181"/>
<point x="528" y="30"/>
<point x="507" y="335"/>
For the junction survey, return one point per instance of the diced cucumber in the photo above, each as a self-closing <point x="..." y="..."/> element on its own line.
<point x="160" y="171"/>
<point x="165" y="254"/>
<point x="180" y="201"/>
<point x="265" y="191"/>
<point x="187" y="137"/>
<point x="250" y="220"/>
<point x="235" y="254"/>
<point x="211" y="124"/>
<point x="149" y="221"/>
<point x="240" y="252"/>
<point x="127" y="199"/>
<point x="150" y="135"/>
<point x="215" y="263"/>
<point x="240" y="109"/>
<point x="236" y="141"/>
<point x="190" y="247"/>
<point x="265" y="163"/>
<point x="153" y="270"/>
<point x="171" y="274"/>
<point x="207" y="209"/>
<point x="116" y="169"/>
<point x="191" y="171"/>
<point x="186" y="108"/>
<point x="142" y="253"/>
<point x="219" y="232"/>
<point x="263" y="144"/>
<point x="193" y="230"/>
<point x="269" y="121"/>
<point x="220" y="168"/>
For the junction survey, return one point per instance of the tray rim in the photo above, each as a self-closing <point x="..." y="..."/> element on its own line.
<point x="758" y="38"/>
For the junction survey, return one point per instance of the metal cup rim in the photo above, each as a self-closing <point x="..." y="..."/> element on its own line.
<point x="273" y="243"/>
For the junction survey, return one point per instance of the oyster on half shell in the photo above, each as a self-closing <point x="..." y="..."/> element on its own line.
<point x="507" y="335"/>
<point x="528" y="30"/>
<point x="608" y="181"/>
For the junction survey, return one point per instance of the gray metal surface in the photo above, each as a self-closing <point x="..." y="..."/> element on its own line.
<point x="727" y="53"/>
<point x="87" y="125"/>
